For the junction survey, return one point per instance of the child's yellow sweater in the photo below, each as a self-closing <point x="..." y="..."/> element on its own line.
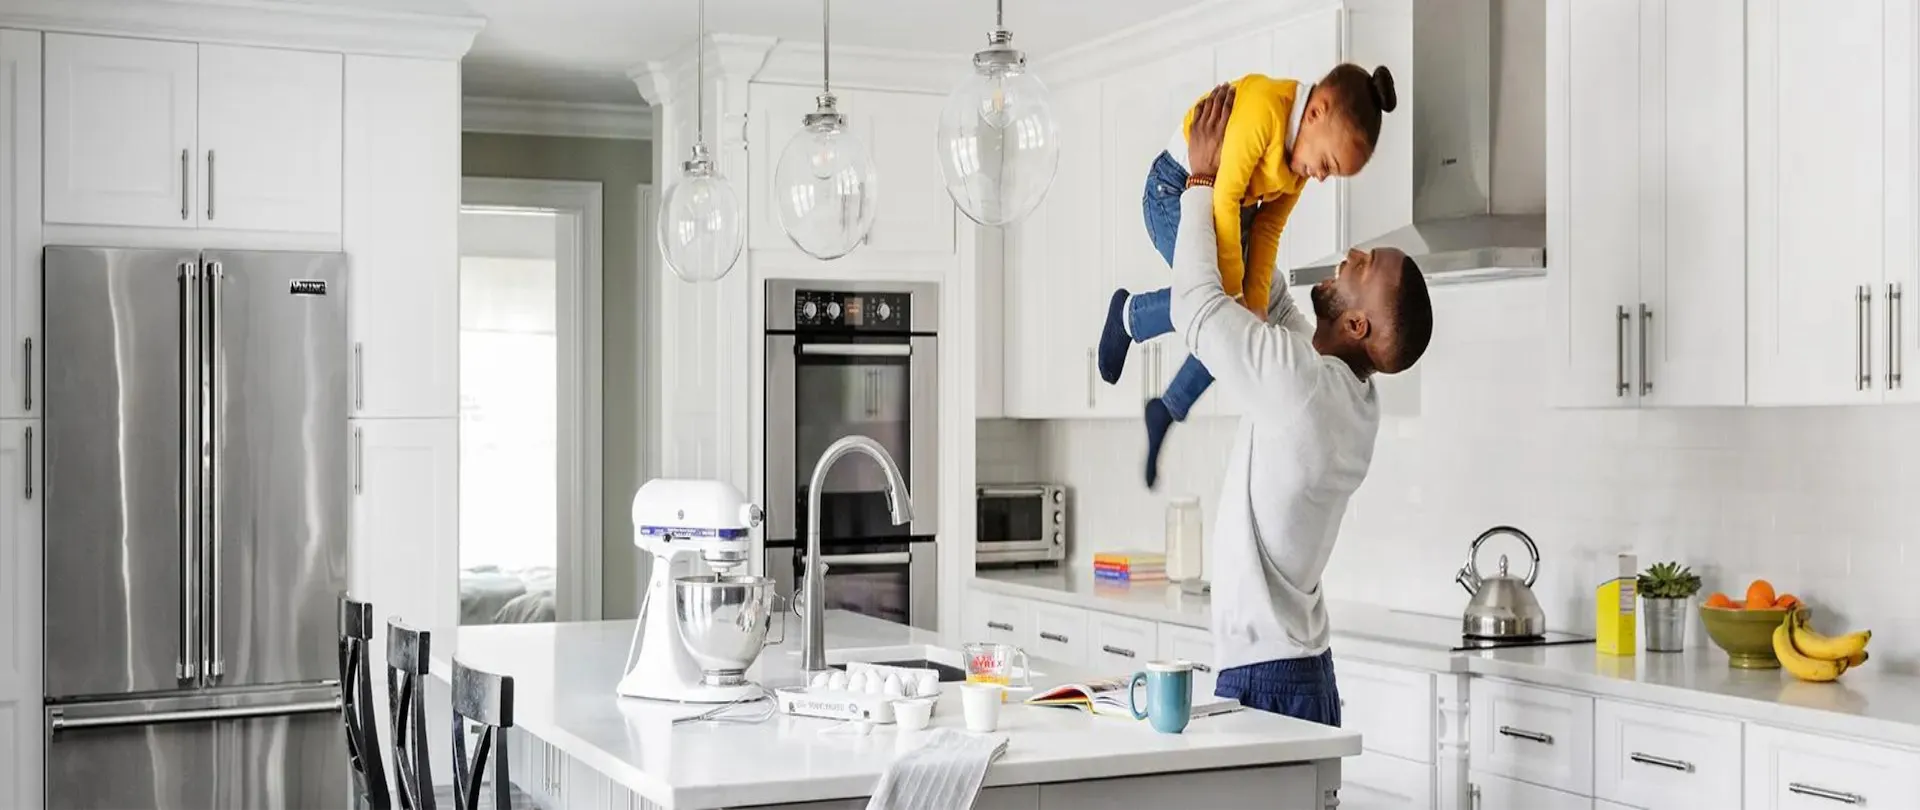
<point x="1254" y="170"/>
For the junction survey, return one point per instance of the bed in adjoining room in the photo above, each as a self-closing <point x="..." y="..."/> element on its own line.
<point x="490" y="595"/>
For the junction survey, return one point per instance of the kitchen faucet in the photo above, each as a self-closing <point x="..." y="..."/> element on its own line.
<point x="899" y="502"/>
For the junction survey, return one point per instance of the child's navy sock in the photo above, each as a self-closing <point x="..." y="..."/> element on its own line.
<point x="1159" y="420"/>
<point x="1114" y="340"/>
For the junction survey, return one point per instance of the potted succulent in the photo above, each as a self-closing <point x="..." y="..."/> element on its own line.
<point x="1665" y="590"/>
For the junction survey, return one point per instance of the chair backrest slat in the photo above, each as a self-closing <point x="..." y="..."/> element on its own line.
<point x="485" y="698"/>
<point x="407" y="660"/>
<point x="357" y="710"/>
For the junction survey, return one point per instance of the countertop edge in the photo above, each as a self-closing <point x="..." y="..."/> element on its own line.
<point x="1089" y="601"/>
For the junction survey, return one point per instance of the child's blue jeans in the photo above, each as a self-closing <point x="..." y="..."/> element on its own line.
<point x="1150" y="312"/>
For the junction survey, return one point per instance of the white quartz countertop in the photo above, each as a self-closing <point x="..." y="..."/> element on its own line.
<point x="1867" y="703"/>
<point x="564" y="694"/>
<point x="1360" y="630"/>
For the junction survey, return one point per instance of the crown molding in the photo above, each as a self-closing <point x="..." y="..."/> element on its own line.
<point x="798" y="63"/>
<point x="270" y="23"/>
<point x="1193" y="27"/>
<point x="508" y="116"/>
<point x="729" y="56"/>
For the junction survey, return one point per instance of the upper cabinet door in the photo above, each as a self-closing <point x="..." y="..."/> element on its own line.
<point x="1816" y="200"/>
<point x="269" y="139"/>
<point x="916" y="214"/>
<point x="120" y="119"/>
<point x="774" y="113"/>
<point x="1594" y="199"/>
<point x="1692" y="334"/>
<point x="19" y="223"/>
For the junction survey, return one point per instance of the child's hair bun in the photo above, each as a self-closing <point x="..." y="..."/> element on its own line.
<point x="1383" y="95"/>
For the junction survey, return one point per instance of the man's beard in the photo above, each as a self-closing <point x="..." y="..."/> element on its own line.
<point x="1327" y="302"/>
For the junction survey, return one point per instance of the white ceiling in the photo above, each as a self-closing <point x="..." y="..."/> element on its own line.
<point x="580" y="50"/>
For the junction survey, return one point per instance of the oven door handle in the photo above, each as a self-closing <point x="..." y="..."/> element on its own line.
<point x="858" y="349"/>
<point x="1013" y="492"/>
<point x="884" y="558"/>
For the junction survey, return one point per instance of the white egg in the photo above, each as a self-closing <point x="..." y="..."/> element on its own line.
<point x="874" y="681"/>
<point x="838" y="680"/>
<point x="891" y="687"/>
<point x="929" y="682"/>
<point x="820" y="679"/>
<point x="908" y="687"/>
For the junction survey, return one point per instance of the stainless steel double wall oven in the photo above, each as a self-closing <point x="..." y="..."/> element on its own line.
<point x="855" y="358"/>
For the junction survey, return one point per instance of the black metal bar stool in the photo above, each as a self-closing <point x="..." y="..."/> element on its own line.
<point x="407" y="661"/>
<point x="357" y="709"/>
<point x="487" y="699"/>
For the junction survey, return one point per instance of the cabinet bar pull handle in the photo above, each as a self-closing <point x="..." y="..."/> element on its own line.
<point x="1863" y="341"/>
<point x="1823" y="793"/>
<point x="29" y="462"/>
<point x="359" y="451"/>
<point x="1089" y="379"/>
<point x="1112" y="650"/>
<point x="1893" y="336"/>
<point x="1621" y="386"/>
<point x="1001" y="626"/>
<point x="1530" y="736"/>
<point x="209" y="184"/>
<point x="28" y="377"/>
<point x="1661" y="762"/>
<point x="1646" y="377"/>
<point x="359" y="378"/>
<point x="186" y="185"/>
<point x="1053" y="637"/>
<point x="1202" y="667"/>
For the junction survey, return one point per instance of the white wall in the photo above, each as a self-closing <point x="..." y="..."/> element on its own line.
<point x="1820" y="501"/>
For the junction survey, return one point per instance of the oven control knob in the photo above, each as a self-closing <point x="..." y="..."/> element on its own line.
<point x="1058" y="519"/>
<point x="884" y="310"/>
<point x="833" y="310"/>
<point x="810" y="310"/>
<point x="1059" y="496"/>
<point x="1056" y="538"/>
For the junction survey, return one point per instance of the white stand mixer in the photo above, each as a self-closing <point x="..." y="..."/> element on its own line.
<point x="697" y="653"/>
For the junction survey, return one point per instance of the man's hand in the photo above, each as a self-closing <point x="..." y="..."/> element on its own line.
<point x="1209" y="129"/>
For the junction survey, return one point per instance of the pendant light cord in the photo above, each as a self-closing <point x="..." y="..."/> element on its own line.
<point x="999" y="14"/>
<point x="700" y="81"/>
<point x="826" y="47"/>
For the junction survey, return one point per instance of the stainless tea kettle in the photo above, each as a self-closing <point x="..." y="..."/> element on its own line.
<point x="1503" y="605"/>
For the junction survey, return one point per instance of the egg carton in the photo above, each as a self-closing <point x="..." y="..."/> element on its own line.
<point x="914" y="681"/>
<point x="836" y="704"/>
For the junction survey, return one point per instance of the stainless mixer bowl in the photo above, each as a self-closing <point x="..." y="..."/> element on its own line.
<point x="723" y="619"/>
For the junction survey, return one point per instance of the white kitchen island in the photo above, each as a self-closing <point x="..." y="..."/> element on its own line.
<point x="578" y="745"/>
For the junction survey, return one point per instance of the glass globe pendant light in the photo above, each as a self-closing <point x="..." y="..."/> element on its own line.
<point x="998" y="143"/>
<point x="701" y="226"/>
<point x="824" y="187"/>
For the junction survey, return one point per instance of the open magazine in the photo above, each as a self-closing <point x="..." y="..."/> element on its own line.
<point x="1107" y="696"/>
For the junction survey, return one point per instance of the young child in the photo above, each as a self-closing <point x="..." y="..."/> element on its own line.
<point x="1280" y="133"/>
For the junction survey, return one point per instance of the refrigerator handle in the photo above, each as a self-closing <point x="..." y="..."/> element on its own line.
<point x="187" y="665"/>
<point x="58" y="721"/>
<point x="216" y="664"/>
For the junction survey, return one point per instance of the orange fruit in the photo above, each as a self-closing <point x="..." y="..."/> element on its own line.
<point x="1787" y="600"/>
<point x="1719" y="600"/>
<point x="1760" y="594"/>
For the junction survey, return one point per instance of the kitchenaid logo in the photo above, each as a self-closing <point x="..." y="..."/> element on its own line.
<point x="307" y="286"/>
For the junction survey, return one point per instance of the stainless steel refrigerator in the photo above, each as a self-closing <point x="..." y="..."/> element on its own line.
<point x="196" y="528"/>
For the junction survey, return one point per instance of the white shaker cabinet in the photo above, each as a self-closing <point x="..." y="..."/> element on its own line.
<point x="1376" y="781"/>
<point x="1645" y="178"/>
<point x="21" y="723"/>
<point x="916" y="215"/>
<point x="1490" y="792"/>
<point x="405" y="480"/>
<point x="270" y="131"/>
<point x="155" y="134"/>
<point x="1820" y="189"/>
<point x="1787" y="770"/>
<point x="19" y="222"/>
<point x="122" y="117"/>
<point x="1056" y="287"/>
<point x="402" y="233"/>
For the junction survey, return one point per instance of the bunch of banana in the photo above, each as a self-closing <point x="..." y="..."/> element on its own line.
<point x="1814" y="657"/>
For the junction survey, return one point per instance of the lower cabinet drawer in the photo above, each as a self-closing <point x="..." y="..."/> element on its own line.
<point x="1376" y="781"/>
<point x="1492" y="792"/>
<point x="1542" y="736"/>
<point x="1789" y="770"/>
<point x="1196" y="645"/>
<point x="1059" y="634"/>
<point x="1120" y="645"/>
<point x="992" y="617"/>
<point x="1392" y="708"/>
<point x="1662" y="759"/>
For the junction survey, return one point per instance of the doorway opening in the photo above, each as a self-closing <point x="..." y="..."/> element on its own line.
<point x="529" y="401"/>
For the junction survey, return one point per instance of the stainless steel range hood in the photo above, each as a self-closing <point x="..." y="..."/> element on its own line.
<point x="1475" y="130"/>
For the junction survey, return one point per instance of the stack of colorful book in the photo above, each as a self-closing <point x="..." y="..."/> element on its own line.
<point x="1130" y="566"/>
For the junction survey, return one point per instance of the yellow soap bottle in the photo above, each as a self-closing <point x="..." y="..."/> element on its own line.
<point x="1613" y="610"/>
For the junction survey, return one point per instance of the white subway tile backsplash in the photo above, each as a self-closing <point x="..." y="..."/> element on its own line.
<point x="1819" y="501"/>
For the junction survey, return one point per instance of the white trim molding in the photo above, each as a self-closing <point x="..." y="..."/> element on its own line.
<point x="363" y="28"/>
<point x="511" y="116"/>
<point x="856" y="68"/>
<point x="580" y="529"/>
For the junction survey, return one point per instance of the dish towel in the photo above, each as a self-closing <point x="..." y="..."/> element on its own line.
<point x="943" y="772"/>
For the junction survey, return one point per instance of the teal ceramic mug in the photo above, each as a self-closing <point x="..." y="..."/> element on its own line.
<point x="1169" y="695"/>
